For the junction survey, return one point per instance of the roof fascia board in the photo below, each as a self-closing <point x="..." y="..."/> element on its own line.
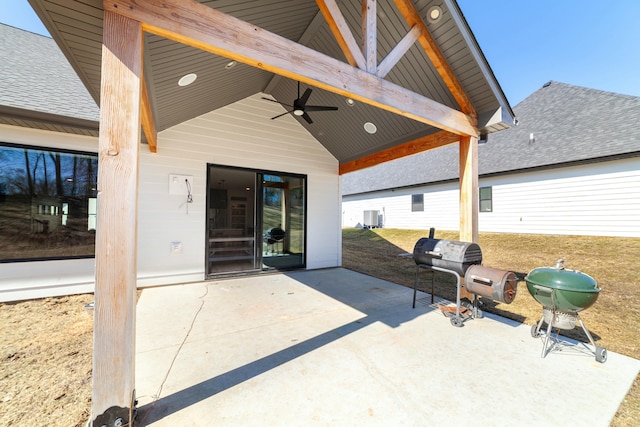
<point x="48" y="118"/>
<point x="491" y="118"/>
<point x="478" y="56"/>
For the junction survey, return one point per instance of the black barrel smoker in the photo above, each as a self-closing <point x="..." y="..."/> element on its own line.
<point x="462" y="260"/>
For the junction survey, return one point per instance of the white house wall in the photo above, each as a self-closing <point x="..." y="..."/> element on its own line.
<point x="598" y="199"/>
<point x="241" y="135"/>
<point x="441" y="208"/>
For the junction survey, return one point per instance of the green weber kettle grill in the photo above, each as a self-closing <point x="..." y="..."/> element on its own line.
<point x="563" y="293"/>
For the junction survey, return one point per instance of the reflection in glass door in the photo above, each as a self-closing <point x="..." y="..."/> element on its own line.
<point x="283" y="221"/>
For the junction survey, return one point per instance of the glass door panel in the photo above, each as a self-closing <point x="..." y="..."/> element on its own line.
<point x="283" y="221"/>
<point x="231" y="221"/>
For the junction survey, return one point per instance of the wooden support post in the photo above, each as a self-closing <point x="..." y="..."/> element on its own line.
<point x="116" y="232"/>
<point x="469" y="189"/>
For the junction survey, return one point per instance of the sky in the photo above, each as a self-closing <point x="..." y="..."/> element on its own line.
<point x="526" y="42"/>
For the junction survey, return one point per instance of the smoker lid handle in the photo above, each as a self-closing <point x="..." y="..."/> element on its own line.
<point x="481" y="280"/>
<point x="433" y="254"/>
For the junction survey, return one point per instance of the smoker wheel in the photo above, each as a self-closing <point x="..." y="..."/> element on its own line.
<point x="601" y="354"/>
<point x="534" y="330"/>
<point x="456" y="321"/>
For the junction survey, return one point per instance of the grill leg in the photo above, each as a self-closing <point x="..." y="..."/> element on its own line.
<point x="547" y="336"/>
<point x="600" y="352"/>
<point x="416" y="282"/>
<point x="584" y="328"/>
<point x="415" y="285"/>
<point x="433" y="279"/>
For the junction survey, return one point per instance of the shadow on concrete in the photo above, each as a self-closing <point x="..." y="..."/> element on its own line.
<point x="378" y="300"/>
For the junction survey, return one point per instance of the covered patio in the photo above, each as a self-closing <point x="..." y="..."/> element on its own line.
<point x="335" y="347"/>
<point x="408" y="77"/>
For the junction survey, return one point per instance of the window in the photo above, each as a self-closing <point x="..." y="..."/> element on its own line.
<point x="417" y="203"/>
<point x="486" y="202"/>
<point x="47" y="203"/>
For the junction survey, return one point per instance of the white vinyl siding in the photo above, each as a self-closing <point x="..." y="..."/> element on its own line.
<point x="598" y="199"/>
<point x="241" y="134"/>
<point x="441" y="208"/>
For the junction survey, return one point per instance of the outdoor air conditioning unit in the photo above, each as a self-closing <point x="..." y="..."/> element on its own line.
<point x="371" y="219"/>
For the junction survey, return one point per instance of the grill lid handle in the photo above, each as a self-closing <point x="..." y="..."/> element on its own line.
<point x="482" y="280"/>
<point x="433" y="254"/>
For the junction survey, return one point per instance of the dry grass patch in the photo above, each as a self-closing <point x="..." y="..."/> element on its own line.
<point x="45" y="365"/>
<point x="614" y="320"/>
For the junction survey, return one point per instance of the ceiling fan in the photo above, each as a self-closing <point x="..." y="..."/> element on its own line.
<point x="300" y="107"/>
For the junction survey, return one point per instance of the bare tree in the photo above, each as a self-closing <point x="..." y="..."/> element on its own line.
<point x="55" y="157"/>
<point x="28" y="170"/>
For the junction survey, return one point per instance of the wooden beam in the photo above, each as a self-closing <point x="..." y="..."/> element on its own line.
<point x="418" y="145"/>
<point x="116" y="231"/>
<point x="342" y="33"/>
<point x="398" y="52"/>
<point x="469" y="194"/>
<point x="430" y="47"/>
<point x="202" y="27"/>
<point x="148" y="124"/>
<point x="369" y="35"/>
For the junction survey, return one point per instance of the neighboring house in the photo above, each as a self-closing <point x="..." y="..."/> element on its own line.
<point x="571" y="166"/>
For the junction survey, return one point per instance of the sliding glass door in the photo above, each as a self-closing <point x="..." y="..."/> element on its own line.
<point x="255" y="221"/>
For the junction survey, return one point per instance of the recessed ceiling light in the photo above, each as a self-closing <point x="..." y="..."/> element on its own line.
<point x="350" y="102"/>
<point x="187" y="79"/>
<point x="230" y="65"/>
<point x="434" y="14"/>
<point x="370" y="128"/>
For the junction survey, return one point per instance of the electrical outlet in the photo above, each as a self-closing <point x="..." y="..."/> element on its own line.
<point x="176" y="247"/>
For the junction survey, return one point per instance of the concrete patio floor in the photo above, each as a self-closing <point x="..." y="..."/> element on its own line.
<point x="337" y="348"/>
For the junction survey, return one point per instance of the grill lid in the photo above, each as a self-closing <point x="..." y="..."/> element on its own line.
<point x="560" y="278"/>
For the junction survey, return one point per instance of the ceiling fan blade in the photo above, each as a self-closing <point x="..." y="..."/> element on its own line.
<point x="307" y="118"/>
<point x="319" y="108"/>
<point x="280" y="115"/>
<point x="277" y="102"/>
<point x="305" y="97"/>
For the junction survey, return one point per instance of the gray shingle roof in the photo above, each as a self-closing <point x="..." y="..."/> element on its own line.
<point x="37" y="77"/>
<point x="569" y="124"/>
